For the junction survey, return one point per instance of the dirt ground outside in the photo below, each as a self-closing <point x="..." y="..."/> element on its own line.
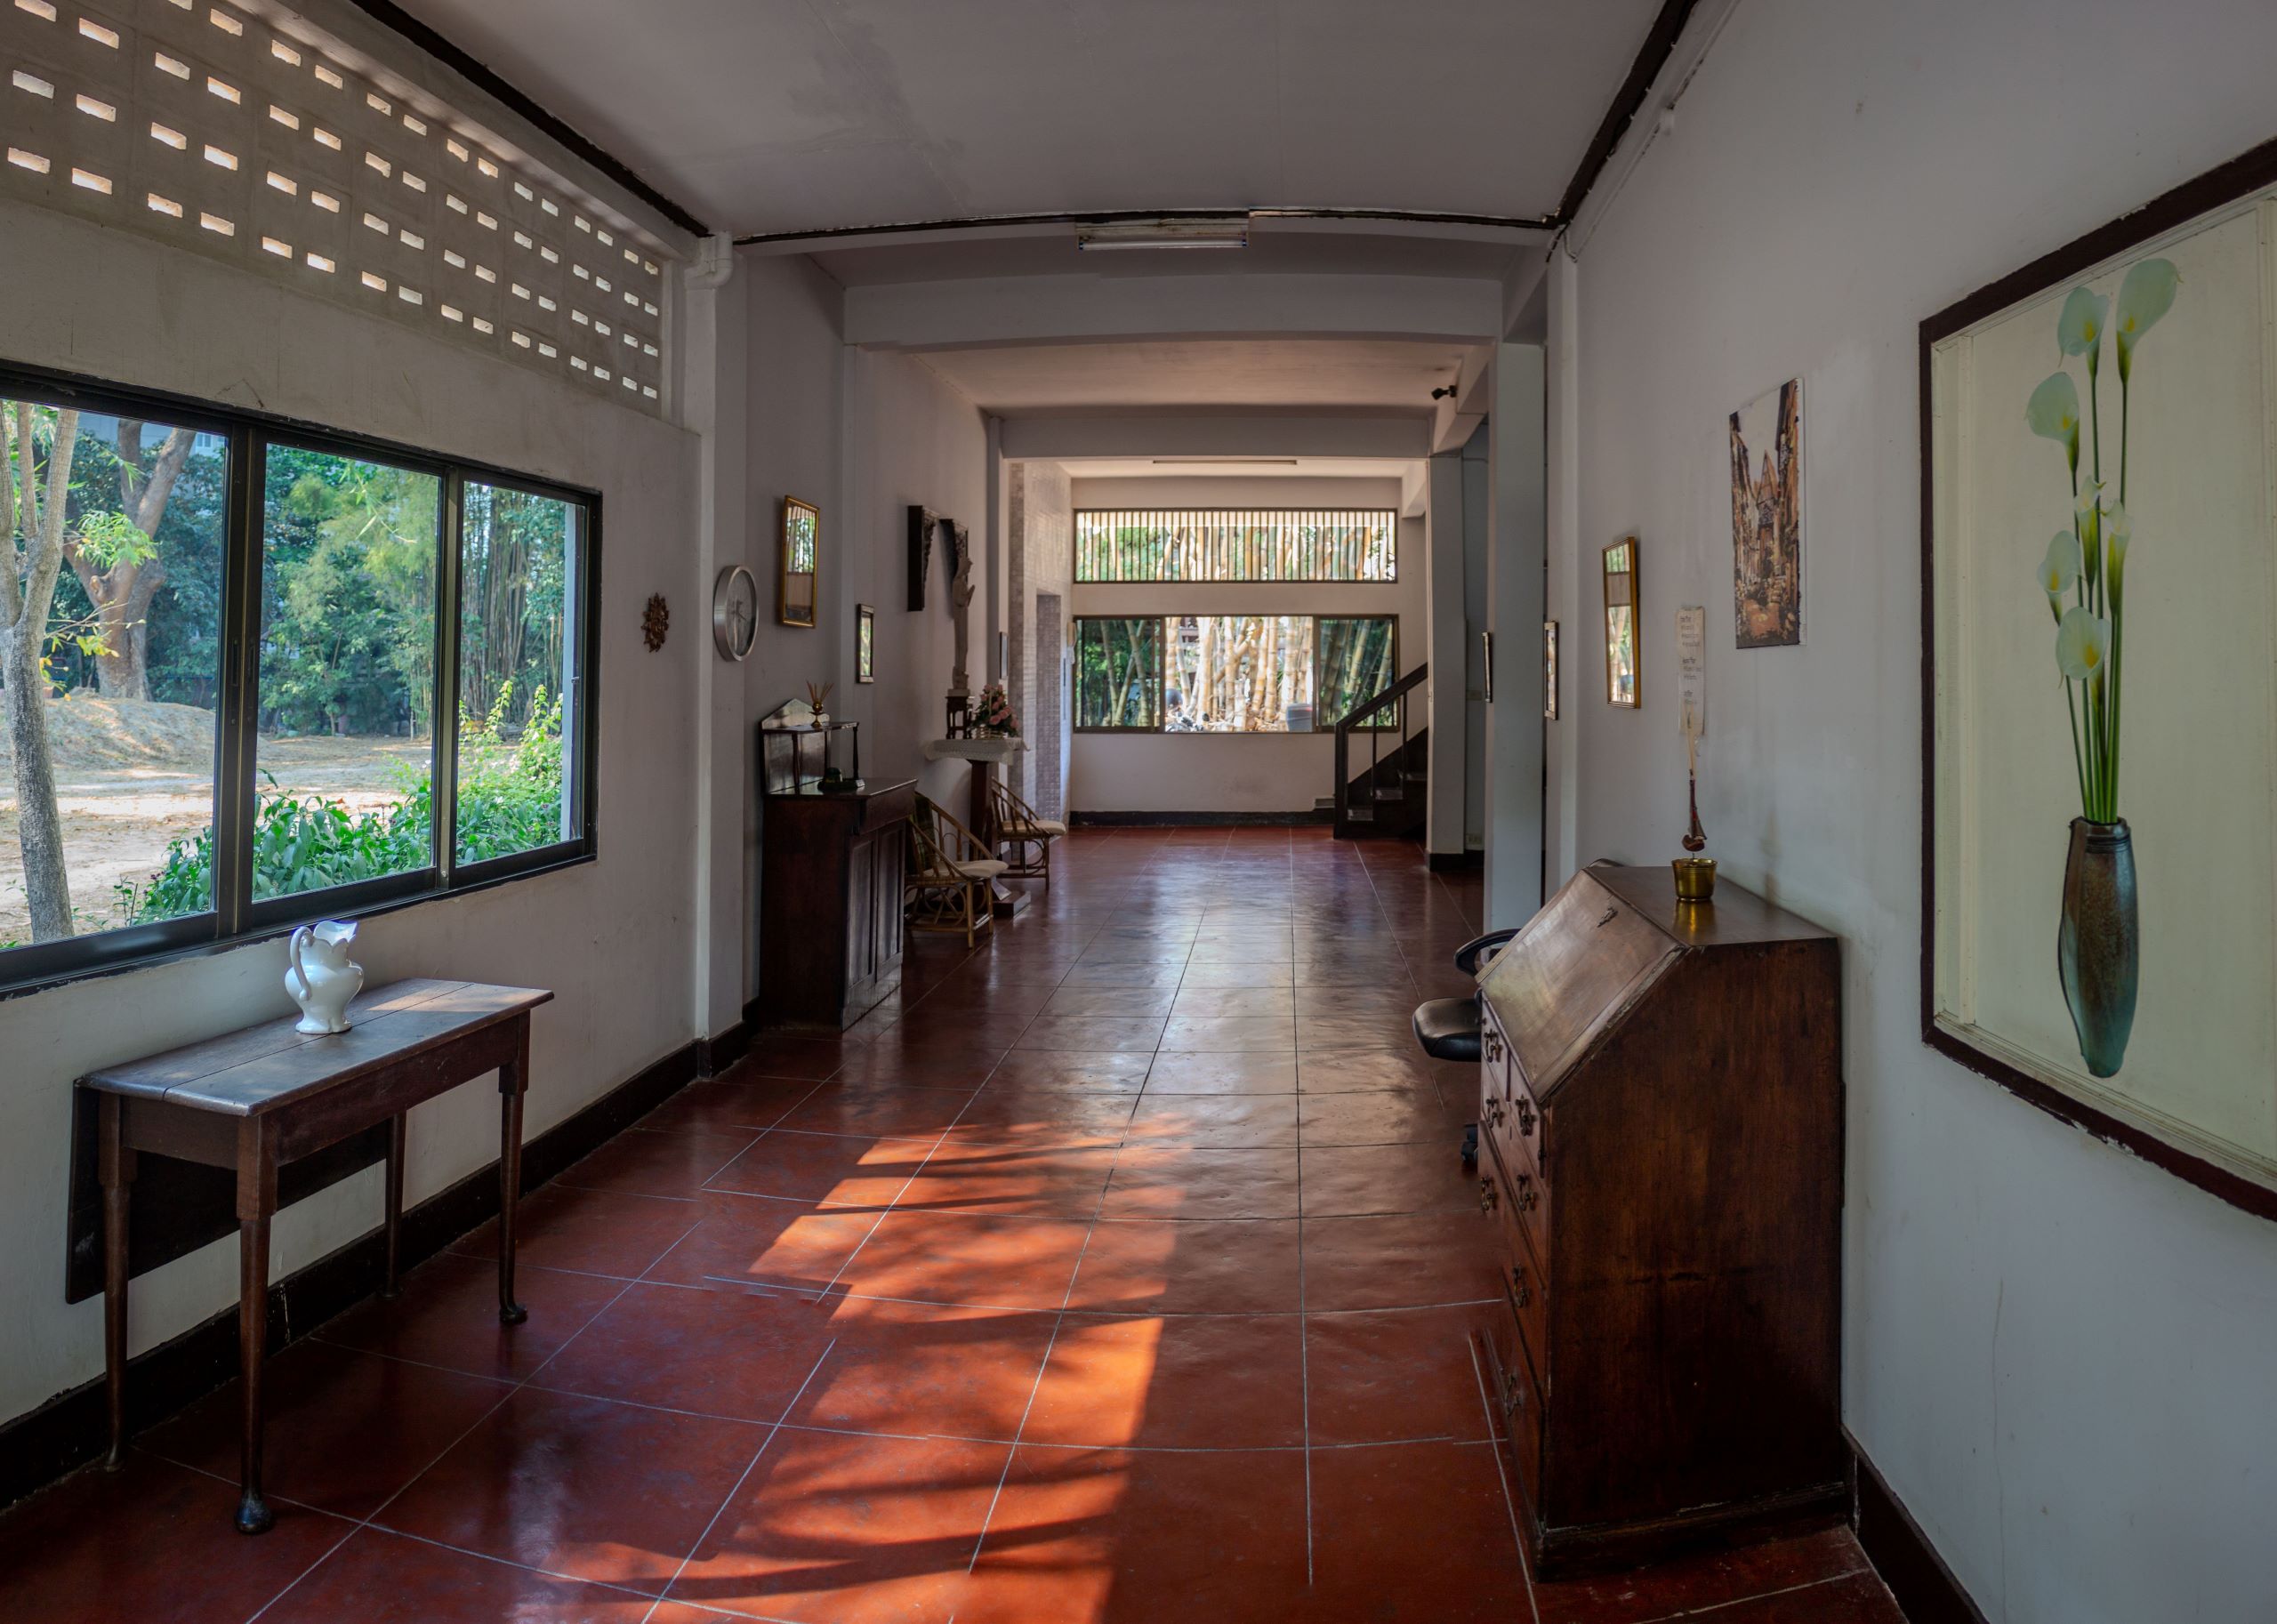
<point x="132" y="776"/>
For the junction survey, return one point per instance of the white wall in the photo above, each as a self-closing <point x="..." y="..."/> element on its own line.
<point x="908" y="438"/>
<point x="1249" y="772"/>
<point x="2061" y="1357"/>
<point x="613" y="939"/>
<point x="1091" y="307"/>
<point x="862" y="436"/>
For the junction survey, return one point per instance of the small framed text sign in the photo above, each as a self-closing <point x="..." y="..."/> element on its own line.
<point x="1692" y="670"/>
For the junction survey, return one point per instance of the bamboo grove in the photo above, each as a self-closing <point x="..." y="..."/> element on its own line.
<point x="1230" y="673"/>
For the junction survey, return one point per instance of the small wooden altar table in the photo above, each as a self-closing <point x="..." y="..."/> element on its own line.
<point x="267" y="1094"/>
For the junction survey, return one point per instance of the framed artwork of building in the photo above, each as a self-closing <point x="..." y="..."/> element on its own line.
<point x="1766" y="451"/>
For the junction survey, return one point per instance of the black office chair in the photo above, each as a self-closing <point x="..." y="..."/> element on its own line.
<point x="1448" y="1028"/>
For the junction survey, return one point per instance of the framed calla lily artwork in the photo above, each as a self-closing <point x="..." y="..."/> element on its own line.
<point x="2099" y="906"/>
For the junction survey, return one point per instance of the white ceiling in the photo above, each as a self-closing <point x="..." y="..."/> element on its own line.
<point x="1385" y="374"/>
<point x="769" y="116"/>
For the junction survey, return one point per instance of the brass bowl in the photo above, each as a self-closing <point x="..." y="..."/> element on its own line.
<point x="1695" y="879"/>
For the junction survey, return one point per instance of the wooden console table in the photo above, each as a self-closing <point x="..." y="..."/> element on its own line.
<point x="265" y="1096"/>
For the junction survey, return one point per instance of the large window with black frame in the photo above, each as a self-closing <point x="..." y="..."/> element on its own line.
<point x="411" y="711"/>
<point x="1233" y="674"/>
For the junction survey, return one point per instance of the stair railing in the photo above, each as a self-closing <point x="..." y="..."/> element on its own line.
<point x="1396" y="694"/>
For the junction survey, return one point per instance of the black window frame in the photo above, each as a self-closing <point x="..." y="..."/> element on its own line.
<point x="1159" y="690"/>
<point x="235" y="917"/>
<point x="1323" y="724"/>
<point x="1076" y="551"/>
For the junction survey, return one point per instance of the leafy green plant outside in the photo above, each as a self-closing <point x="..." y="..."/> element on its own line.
<point x="511" y="780"/>
<point x="510" y="799"/>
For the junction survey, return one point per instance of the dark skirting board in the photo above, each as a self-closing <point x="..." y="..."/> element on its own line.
<point x="1926" y="1589"/>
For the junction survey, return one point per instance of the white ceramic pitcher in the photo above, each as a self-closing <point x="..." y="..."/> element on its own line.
<point x="322" y="978"/>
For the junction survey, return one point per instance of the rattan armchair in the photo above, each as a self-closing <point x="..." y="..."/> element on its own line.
<point x="1018" y="826"/>
<point x="950" y="875"/>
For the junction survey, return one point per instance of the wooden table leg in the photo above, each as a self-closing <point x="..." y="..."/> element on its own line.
<point x="256" y="1202"/>
<point x="1003" y="901"/>
<point x="117" y="1163"/>
<point x="513" y="1081"/>
<point x="393" y="1288"/>
<point x="983" y="804"/>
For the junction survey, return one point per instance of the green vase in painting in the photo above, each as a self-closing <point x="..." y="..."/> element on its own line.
<point x="2098" y="948"/>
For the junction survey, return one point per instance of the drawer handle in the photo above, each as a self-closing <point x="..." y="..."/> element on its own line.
<point x="1489" y="1198"/>
<point x="1494" y="1111"/>
<point x="1607" y="918"/>
<point x="1521" y="1293"/>
<point x="1494" y="1048"/>
<point x="1526" y="1198"/>
<point x="1526" y="1118"/>
<point x="1514" y="1394"/>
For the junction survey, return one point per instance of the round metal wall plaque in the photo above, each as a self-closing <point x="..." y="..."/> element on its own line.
<point x="734" y="611"/>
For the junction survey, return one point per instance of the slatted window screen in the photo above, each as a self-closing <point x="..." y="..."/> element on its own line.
<point x="240" y="132"/>
<point x="1236" y="544"/>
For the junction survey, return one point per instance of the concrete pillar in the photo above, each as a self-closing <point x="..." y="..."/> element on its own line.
<point x="1514" y="597"/>
<point x="995" y="563"/>
<point x="714" y="324"/>
<point x="1449" y="652"/>
<point x="1572" y="590"/>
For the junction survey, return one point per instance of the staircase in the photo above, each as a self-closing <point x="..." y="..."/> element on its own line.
<point x="1385" y="794"/>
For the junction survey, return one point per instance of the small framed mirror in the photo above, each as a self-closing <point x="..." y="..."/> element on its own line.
<point x="1620" y="644"/>
<point x="794" y="599"/>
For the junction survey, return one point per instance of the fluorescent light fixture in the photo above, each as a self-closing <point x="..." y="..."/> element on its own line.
<point x="1224" y="462"/>
<point x="1168" y="231"/>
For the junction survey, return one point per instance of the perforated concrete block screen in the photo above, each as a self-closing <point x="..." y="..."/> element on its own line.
<point x="247" y="137"/>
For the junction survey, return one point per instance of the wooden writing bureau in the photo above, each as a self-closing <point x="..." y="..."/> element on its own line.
<point x="1661" y="1133"/>
<point x="268" y="1095"/>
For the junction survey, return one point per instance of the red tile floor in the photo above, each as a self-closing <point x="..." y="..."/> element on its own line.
<point x="1117" y="1270"/>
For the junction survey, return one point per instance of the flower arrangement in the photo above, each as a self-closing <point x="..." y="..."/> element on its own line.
<point x="2099" y="939"/>
<point x="992" y="714"/>
<point x="2087" y="563"/>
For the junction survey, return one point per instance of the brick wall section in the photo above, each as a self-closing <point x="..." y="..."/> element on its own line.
<point x="1040" y="514"/>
